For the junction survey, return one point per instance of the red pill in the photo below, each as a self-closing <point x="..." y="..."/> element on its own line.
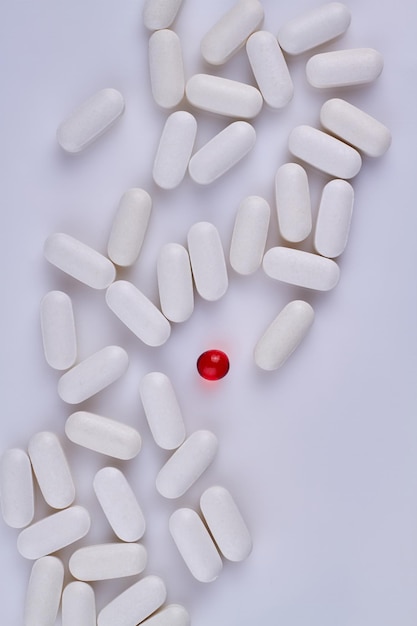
<point x="213" y="364"/>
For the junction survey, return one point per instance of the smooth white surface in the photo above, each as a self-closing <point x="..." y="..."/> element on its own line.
<point x="129" y="227"/>
<point x="78" y="605"/>
<point x="16" y="488"/>
<point x="44" y="590"/>
<point x="223" y="96"/>
<point x="208" y="261"/>
<point x="250" y="232"/>
<point x="175" y="282"/>
<point x="342" y="68"/>
<point x="107" y="560"/>
<point x="301" y="268"/>
<point x="135" y="603"/>
<point x="170" y="615"/>
<point x="293" y="205"/>
<point x="58" y="330"/>
<point x="174" y="149"/>
<point x="334" y="218"/>
<point x="166" y="68"/>
<point x="160" y="13"/>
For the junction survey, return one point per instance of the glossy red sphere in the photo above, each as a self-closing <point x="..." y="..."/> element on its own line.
<point x="213" y="364"/>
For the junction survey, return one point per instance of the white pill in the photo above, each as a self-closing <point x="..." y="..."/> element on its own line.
<point x="223" y="96"/>
<point x="301" y="268"/>
<point x="95" y="373"/>
<point x="292" y="195"/>
<point x="283" y="335"/>
<point x="207" y="261"/>
<point x="54" y="532"/>
<point x="162" y="410"/>
<point x="134" y="604"/>
<point x="355" y="127"/>
<point x="231" y="31"/>
<point x="51" y="469"/>
<point x="44" y="590"/>
<point x="175" y="282"/>
<point x="195" y="545"/>
<point x="16" y="488"/>
<point x="79" y="260"/>
<point x="314" y="27"/>
<point x="170" y="615"/>
<point x="90" y="120"/>
<point x="341" y="68"/>
<point x="119" y="504"/>
<point x="103" y="435"/>
<point x="333" y="218"/>
<point x="226" y="523"/>
<point x="158" y="14"/>
<point x="326" y="153"/>
<point x="129" y="227"/>
<point x="78" y="605"/>
<point x="58" y="330"/>
<point x="166" y="68"/>
<point x="270" y="69"/>
<point x="174" y="149"/>
<point x="222" y="152"/>
<point x="108" y="560"/>
<point x="187" y="464"/>
<point x="249" y="235"/>
<point x="138" y="313"/>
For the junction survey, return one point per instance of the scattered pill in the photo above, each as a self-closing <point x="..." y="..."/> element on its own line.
<point x="170" y="615"/>
<point x="158" y="14"/>
<point x="107" y="561"/>
<point x="342" y="68"/>
<point x="283" y="335"/>
<point x="174" y="150"/>
<point x="166" y="68"/>
<point x="249" y="236"/>
<point x="175" y="282"/>
<point x="213" y="364"/>
<point x="223" y="96"/>
<point x="333" y="218"/>
<point x="207" y="261"/>
<point x="78" y="605"/>
<point x="58" y="330"/>
<point x="129" y="227"/>
<point x="16" y="488"/>
<point x="292" y="196"/>
<point x="44" y="592"/>
<point x="301" y="268"/>
<point x="195" y="545"/>
<point x="134" y="604"/>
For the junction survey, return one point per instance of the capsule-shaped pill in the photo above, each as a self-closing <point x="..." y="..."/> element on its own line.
<point x="342" y="68"/>
<point x="355" y="127"/>
<point x="51" y="469"/>
<point x="249" y="235"/>
<point x="283" y="335"/>
<point x="195" y="545"/>
<point x="231" y="31"/>
<point x="292" y="195"/>
<point x="158" y="14"/>
<point x="301" y="268"/>
<point x="129" y="227"/>
<point x="78" y="605"/>
<point x="222" y="152"/>
<point x="166" y="68"/>
<point x="44" y="590"/>
<point x="333" y="218"/>
<point x="174" y="150"/>
<point x="270" y="69"/>
<point x="134" y="604"/>
<point x="58" y="330"/>
<point x="16" y="488"/>
<point x="107" y="561"/>
<point x="324" y="152"/>
<point x="223" y="96"/>
<point x="170" y="615"/>
<point x="119" y="504"/>
<point x="207" y="261"/>
<point x="175" y="282"/>
<point x="187" y="464"/>
<point x="90" y="120"/>
<point x="103" y="435"/>
<point x="79" y="260"/>
<point x="314" y="27"/>
<point x="162" y="410"/>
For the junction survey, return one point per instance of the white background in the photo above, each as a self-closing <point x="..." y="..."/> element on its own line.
<point x="321" y="455"/>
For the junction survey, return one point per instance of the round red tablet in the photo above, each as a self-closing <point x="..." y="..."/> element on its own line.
<point x="213" y="364"/>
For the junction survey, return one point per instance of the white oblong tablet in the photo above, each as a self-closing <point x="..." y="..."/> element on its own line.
<point x="158" y="14"/>
<point x="138" y="313"/>
<point x="174" y="149"/>
<point x="51" y="469"/>
<point x="222" y="152"/>
<point x="44" y="590"/>
<point x="226" y="523"/>
<point x="324" y="152"/>
<point x="270" y="69"/>
<point x="170" y="615"/>
<point x="333" y="218"/>
<point x="58" y="330"/>
<point x="342" y="68"/>
<point x="16" y="488"/>
<point x="207" y="261"/>
<point x="175" y="282"/>
<point x="103" y="435"/>
<point x="249" y="235"/>
<point x="107" y="560"/>
<point x="314" y="27"/>
<point x="162" y="410"/>
<point x="187" y="464"/>
<point x="95" y="373"/>
<point x="90" y="120"/>
<point x="79" y="260"/>
<point x="129" y="227"/>
<point x="231" y="31"/>
<point x="166" y="68"/>
<point x="195" y="545"/>
<point x="301" y="268"/>
<point x="355" y="127"/>
<point x="54" y="532"/>
<point x="292" y="195"/>
<point x="223" y="96"/>
<point x="78" y="605"/>
<point x="134" y="604"/>
<point x="119" y="504"/>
